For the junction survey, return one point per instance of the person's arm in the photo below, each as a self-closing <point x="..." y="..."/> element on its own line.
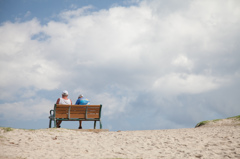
<point x="71" y="101"/>
<point x="77" y="102"/>
<point x="58" y="101"/>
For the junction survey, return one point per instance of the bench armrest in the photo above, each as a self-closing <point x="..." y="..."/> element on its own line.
<point x="51" y="112"/>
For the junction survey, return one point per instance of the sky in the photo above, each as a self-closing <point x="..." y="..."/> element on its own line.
<point x="152" y="64"/>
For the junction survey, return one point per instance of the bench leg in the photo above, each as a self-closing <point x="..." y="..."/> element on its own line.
<point x="100" y="124"/>
<point x="50" y="123"/>
<point x="55" y="123"/>
<point x="95" y="124"/>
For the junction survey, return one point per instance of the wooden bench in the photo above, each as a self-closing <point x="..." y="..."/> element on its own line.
<point x="75" y="113"/>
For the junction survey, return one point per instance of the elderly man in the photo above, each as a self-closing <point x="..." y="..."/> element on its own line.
<point x="63" y="100"/>
<point x="82" y="101"/>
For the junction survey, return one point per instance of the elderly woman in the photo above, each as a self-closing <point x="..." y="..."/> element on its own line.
<point x="82" y="101"/>
<point x="63" y="100"/>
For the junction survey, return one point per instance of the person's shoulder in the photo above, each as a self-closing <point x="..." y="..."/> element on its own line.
<point x="58" y="101"/>
<point x="77" y="102"/>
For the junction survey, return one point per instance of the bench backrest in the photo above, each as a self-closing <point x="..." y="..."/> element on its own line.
<point x="78" y="111"/>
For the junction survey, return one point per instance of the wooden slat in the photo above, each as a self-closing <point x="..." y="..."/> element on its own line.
<point x="61" y="112"/>
<point x="90" y="108"/>
<point x="75" y="108"/>
<point x="61" y="116"/>
<point x="79" y="106"/>
<point x="61" y="109"/>
<point x="93" y="111"/>
<point x="93" y="107"/>
<point x="77" y="112"/>
<point x="85" y="105"/>
<point x="93" y="116"/>
<point x="78" y="109"/>
<point x="62" y="106"/>
<point x="77" y="115"/>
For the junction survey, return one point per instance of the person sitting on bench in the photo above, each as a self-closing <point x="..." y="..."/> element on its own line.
<point x="63" y="100"/>
<point x="82" y="101"/>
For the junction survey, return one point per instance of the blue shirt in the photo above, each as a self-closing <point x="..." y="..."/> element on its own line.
<point x="82" y="101"/>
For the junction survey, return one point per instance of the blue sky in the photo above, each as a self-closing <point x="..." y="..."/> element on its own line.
<point x="45" y="10"/>
<point x="152" y="64"/>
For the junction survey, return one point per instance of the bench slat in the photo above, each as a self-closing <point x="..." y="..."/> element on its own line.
<point x="90" y="108"/>
<point x="61" y="115"/>
<point x="93" y="116"/>
<point x="80" y="107"/>
<point x="77" y="116"/>
<point x="85" y="106"/>
<point x="93" y="111"/>
<point x="62" y="108"/>
<point x="62" y="105"/>
<point x="77" y="112"/>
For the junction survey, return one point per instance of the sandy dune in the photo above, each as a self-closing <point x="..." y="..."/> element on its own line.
<point x="202" y="142"/>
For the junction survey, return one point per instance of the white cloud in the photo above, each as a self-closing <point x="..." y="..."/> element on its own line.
<point x="183" y="61"/>
<point x="69" y="14"/>
<point x="177" y="83"/>
<point x="115" y="103"/>
<point x="23" y="59"/>
<point x="32" y="109"/>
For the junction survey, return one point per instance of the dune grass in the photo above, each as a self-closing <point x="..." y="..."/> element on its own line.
<point x="6" y="129"/>
<point x="202" y="123"/>
<point x="215" y="120"/>
<point x="235" y="117"/>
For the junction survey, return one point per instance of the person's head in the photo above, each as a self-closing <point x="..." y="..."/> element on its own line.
<point x="65" y="93"/>
<point x="80" y="96"/>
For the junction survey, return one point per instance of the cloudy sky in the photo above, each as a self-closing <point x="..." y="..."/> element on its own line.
<point x="152" y="64"/>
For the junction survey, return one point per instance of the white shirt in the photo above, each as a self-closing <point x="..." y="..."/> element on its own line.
<point x="64" y="101"/>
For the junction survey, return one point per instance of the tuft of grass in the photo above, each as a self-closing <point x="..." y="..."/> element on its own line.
<point x="207" y="121"/>
<point x="235" y="117"/>
<point x="31" y="129"/>
<point x="215" y="120"/>
<point x="7" y="129"/>
<point x="202" y="123"/>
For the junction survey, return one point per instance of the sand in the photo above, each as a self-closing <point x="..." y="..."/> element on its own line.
<point x="202" y="142"/>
